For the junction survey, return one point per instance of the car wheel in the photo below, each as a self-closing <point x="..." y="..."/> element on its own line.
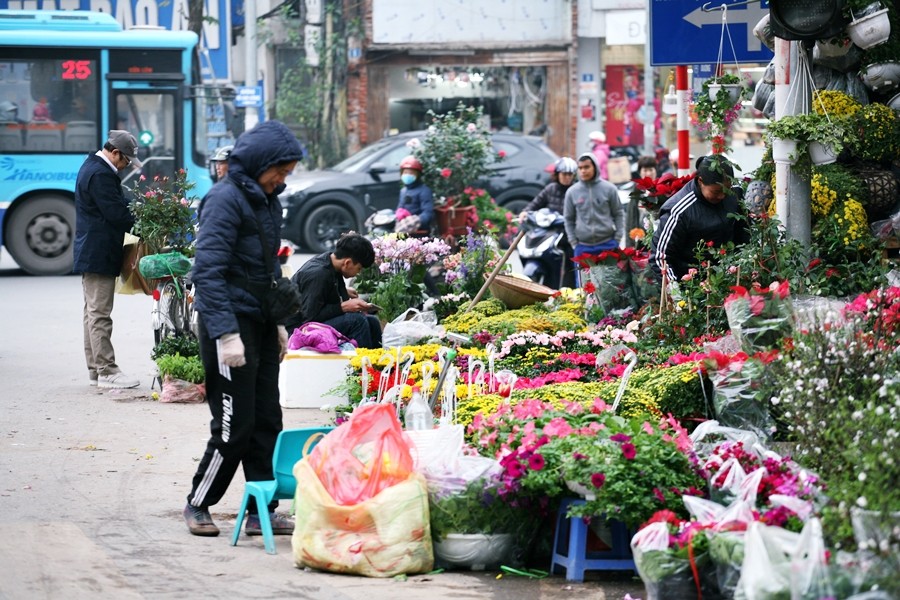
<point x="40" y="235"/>
<point x="324" y="225"/>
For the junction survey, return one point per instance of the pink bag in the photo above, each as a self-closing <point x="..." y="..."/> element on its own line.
<point x="318" y="337"/>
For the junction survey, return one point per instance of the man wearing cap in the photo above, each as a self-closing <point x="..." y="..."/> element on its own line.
<point x="101" y="220"/>
<point x="703" y="211"/>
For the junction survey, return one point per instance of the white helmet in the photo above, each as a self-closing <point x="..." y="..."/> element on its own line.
<point x="566" y="165"/>
<point x="9" y="111"/>
<point x="222" y="153"/>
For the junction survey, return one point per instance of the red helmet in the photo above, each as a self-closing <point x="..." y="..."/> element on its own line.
<point x="411" y="162"/>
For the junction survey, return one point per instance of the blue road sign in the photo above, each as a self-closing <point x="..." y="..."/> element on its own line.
<point x="249" y="95"/>
<point x="682" y="33"/>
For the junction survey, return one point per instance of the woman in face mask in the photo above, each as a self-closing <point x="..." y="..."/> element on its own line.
<point x="416" y="207"/>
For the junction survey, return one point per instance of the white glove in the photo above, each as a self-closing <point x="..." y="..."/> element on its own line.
<point x="231" y="350"/>
<point x="282" y="342"/>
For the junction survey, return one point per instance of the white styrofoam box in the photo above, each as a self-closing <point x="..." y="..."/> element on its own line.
<point x="306" y="377"/>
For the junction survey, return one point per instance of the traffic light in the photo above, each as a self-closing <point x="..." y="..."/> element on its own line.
<point x="806" y="20"/>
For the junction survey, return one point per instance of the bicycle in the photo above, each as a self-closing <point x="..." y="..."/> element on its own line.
<point x="172" y="314"/>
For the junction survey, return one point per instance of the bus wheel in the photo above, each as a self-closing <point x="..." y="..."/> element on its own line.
<point x="40" y="235"/>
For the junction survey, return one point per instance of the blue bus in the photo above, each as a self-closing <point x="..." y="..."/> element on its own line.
<point x="66" y="79"/>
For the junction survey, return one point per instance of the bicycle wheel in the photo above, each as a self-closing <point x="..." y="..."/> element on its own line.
<point x="171" y="312"/>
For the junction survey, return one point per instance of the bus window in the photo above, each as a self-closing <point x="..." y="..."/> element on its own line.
<point x="151" y="117"/>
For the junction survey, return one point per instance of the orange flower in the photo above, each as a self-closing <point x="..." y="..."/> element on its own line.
<point x="637" y="233"/>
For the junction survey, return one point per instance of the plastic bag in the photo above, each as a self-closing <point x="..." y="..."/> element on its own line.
<point x="318" y="337"/>
<point x="766" y="571"/>
<point x="410" y="328"/>
<point x="181" y="391"/>
<point x="668" y="575"/>
<point x="809" y="566"/>
<point x="170" y="264"/>
<point x="363" y="456"/>
<point x="386" y="535"/>
<point x="737" y="399"/>
<point x="760" y="319"/>
<point x="612" y="285"/>
<point x="130" y="281"/>
<point x="710" y="434"/>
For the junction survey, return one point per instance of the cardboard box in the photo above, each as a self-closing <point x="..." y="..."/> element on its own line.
<point x="306" y="377"/>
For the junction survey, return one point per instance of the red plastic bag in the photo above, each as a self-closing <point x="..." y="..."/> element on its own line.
<point x="363" y="456"/>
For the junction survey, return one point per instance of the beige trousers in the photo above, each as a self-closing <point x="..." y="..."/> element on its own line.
<point x="99" y="293"/>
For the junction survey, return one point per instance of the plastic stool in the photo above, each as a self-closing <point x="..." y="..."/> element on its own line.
<point x="570" y="546"/>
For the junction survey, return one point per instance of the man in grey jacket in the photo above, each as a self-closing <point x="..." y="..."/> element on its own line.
<point x="595" y="218"/>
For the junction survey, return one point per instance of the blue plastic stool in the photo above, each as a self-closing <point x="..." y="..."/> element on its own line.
<point x="570" y="546"/>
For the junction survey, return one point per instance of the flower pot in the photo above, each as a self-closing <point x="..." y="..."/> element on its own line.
<point x="829" y="50"/>
<point x="733" y="90"/>
<point x="870" y="30"/>
<point x="454" y="220"/>
<point x="582" y="490"/>
<point x="881" y="77"/>
<point x="820" y="154"/>
<point x="784" y="151"/>
<point x="475" y="551"/>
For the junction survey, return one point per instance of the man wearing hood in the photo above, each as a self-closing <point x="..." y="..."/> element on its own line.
<point x="595" y="218"/>
<point x="240" y="346"/>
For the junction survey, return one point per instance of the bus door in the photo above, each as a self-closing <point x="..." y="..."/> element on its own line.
<point x="150" y="112"/>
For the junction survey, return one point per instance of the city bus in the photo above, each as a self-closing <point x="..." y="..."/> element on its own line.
<point x="66" y="79"/>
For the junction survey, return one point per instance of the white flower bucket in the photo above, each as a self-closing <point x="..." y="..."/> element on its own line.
<point x="827" y="49"/>
<point x="881" y="77"/>
<point x="820" y="154"/>
<point x="870" y="30"/>
<point x="733" y="90"/>
<point x="474" y="551"/>
<point x="784" y="152"/>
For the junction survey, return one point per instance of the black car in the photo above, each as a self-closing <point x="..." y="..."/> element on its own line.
<point x="321" y="205"/>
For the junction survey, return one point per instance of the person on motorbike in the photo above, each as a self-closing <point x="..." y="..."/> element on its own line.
<point x="220" y="160"/>
<point x="415" y="209"/>
<point x="552" y="197"/>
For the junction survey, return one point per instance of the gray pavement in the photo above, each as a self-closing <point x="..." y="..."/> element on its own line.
<point x="92" y="482"/>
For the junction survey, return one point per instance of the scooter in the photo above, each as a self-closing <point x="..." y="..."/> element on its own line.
<point x="542" y="250"/>
<point x="381" y="223"/>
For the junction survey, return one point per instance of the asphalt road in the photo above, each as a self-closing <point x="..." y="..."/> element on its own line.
<point x="92" y="482"/>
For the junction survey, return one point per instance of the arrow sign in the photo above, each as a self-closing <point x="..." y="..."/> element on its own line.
<point x="682" y="33"/>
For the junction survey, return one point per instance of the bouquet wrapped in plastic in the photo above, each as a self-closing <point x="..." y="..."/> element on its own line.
<point x="737" y="383"/>
<point x="760" y="318"/>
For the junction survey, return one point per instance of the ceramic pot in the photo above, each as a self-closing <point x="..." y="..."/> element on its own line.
<point x="784" y="151"/>
<point x="733" y="90"/>
<point x="820" y="154"/>
<point x="870" y="30"/>
<point x="474" y="551"/>
<point x="881" y="77"/>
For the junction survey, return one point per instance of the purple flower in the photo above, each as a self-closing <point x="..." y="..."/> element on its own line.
<point x="628" y="450"/>
<point x="620" y="437"/>
<point x="536" y="462"/>
<point x="598" y="479"/>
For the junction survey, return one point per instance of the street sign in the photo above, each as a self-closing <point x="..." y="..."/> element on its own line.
<point x="248" y="96"/>
<point x="682" y="33"/>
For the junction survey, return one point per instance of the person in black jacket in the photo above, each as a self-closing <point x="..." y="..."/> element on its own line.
<point x="240" y="346"/>
<point x="702" y="211"/>
<point x="325" y="297"/>
<point x="102" y="219"/>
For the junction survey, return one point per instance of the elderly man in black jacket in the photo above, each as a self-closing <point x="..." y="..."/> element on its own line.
<point x="241" y="347"/>
<point x="101" y="220"/>
<point x="325" y="297"/>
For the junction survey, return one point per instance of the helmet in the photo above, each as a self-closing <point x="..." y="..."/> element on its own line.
<point x="8" y="111"/>
<point x="411" y="162"/>
<point x="222" y="153"/>
<point x="565" y="165"/>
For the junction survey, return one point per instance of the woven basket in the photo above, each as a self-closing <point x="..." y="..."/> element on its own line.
<point x="516" y="293"/>
<point x="883" y="191"/>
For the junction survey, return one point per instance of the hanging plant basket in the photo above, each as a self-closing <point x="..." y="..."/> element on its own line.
<point x="734" y="91"/>
<point x="832" y="50"/>
<point x="870" y="30"/>
<point x="784" y="152"/>
<point x="881" y="77"/>
<point x="821" y="154"/>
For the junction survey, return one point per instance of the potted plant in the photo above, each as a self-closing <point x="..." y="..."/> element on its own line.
<point x="792" y="137"/>
<point x="162" y="211"/>
<point x="870" y="23"/>
<point x="473" y="527"/>
<point x="719" y="103"/>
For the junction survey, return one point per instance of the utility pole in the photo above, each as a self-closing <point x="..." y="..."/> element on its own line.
<point x="251" y="116"/>
<point x="649" y="88"/>
<point x="793" y="189"/>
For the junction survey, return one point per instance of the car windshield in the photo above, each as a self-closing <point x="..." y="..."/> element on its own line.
<point x="354" y="162"/>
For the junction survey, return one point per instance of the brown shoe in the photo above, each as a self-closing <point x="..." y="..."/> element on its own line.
<point x="199" y="522"/>
<point x="280" y="525"/>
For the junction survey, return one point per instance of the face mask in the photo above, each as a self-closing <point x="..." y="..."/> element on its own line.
<point x="407" y="179"/>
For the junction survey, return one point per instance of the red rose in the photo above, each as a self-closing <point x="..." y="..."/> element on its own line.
<point x="445" y="173"/>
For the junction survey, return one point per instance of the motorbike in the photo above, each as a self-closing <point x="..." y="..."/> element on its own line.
<point x="543" y="248"/>
<point x="381" y="223"/>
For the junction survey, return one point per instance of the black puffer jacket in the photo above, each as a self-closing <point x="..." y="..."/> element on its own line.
<point x="551" y="197"/>
<point x="228" y="245"/>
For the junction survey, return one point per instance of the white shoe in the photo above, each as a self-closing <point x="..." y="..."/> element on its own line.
<point x="117" y="380"/>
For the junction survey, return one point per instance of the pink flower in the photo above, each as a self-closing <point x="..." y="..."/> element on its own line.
<point x="557" y="427"/>
<point x="597" y="480"/>
<point x="628" y="451"/>
<point x="648" y="427"/>
<point x="471" y="128"/>
<point x="536" y="462"/>
<point x="445" y="173"/>
<point x="659" y="495"/>
<point x="502" y="153"/>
